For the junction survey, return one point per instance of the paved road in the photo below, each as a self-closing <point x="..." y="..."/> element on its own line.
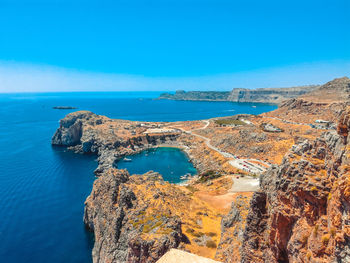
<point x="240" y="163"/>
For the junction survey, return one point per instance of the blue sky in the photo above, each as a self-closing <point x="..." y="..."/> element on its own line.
<point x="162" y="44"/>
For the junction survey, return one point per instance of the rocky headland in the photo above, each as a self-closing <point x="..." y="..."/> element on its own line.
<point x="299" y="153"/>
<point x="86" y="132"/>
<point x="262" y="95"/>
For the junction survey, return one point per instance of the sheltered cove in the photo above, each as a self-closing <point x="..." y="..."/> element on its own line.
<point x="306" y="184"/>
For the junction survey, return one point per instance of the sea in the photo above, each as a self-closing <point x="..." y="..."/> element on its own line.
<point x="43" y="188"/>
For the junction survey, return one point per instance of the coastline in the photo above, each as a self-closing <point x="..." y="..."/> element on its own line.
<point x="227" y="150"/>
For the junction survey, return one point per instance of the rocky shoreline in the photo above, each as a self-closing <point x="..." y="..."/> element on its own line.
<point x="86" y="132"/>
<point x="300" y="214"/>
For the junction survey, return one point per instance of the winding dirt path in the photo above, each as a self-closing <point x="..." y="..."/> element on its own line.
<point x="240" y="163"/>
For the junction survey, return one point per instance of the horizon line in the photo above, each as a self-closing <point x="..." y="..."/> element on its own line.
<point x="18" y="77"/>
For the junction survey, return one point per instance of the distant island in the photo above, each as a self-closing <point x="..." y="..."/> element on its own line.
<point x="64" y="108"/>
<point x="262" y="95"/>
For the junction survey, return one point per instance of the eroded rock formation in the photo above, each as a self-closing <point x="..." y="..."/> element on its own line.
<point x="127" y="225"/>
<point x="302" y="213"/>
<point x="86" y="132"/>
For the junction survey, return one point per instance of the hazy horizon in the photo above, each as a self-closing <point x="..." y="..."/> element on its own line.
<point x="61" y="45"/>
<point x="24" y="78"/>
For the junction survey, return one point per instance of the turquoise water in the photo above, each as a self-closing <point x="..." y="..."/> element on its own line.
<point x="174" y="163"/>
<point x="43" y="188"/>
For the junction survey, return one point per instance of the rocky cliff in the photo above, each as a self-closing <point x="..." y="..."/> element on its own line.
<point x="86" y="132"/>
<point x="130" y="225"/>
<point x="325" y="103"/>
<point x="302" y="213"/>
<point x="264" y="95"/>
<point x="268" y="95"/>
<point x="337" y="90"/>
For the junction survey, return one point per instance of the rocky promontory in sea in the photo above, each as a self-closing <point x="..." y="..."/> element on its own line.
<point x="262" y="95"/>
<point x="86" y="132"/>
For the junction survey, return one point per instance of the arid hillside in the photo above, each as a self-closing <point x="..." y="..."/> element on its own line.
<point x="302" y="212"/>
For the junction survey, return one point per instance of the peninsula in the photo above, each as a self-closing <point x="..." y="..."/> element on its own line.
<point x="262" y="95"/>
<point x="270" y="188"/>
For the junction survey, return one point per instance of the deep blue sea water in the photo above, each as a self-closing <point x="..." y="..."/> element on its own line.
<point x="43" y="188"/>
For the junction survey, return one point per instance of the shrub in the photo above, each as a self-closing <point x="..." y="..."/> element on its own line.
<point x="189" y="230"/>
<point x="329" y="196"/>
<point x="211" y="244"/>
<point x="191" y="188"/>
<point x="211" y="234"/>
<point x="305" y="239"/>
<point x="208" y="175"/>
<point x="333" y="232"/>
<point x="229" y="121"/>
<point x="314" y="188"/>
<point x="316" y="230"/>
<point x="197" y="234"/>
<point x="325" y="239"/>
<point x="308" y="255"/>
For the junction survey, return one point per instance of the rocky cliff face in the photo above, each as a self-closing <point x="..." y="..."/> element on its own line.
<point x="326" y="103"/>
<point x="268" y="95"/>
<point x="337" y="90"/>
<point x="70" y="131"/>
<point x="232" y="229"/>
<point x="302" y="213"/>
<point x="128" y="227"/>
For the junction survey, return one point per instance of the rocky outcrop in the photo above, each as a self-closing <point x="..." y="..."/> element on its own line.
<point x="127" y="225"/>
<point x="86" y="132"/>
<point x="326" y="102"/>
<point x="268" y="95"/>
<point x="232" y="228"/>
<point x="268" y="127"/>
<point x="70" y="131"/>
<point x="337" y="90"/>
<point x="302" y="213"/>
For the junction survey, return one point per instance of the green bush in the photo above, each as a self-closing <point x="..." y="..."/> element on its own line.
<point x="211" y="244"/>
<point x="209" y="175"/>
<point x="211" y="234"/>
<point x="229" y="121"/>
<point x="197" y="234"/>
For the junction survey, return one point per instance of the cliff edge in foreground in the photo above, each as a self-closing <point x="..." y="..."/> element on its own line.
<point x="302" y="213"/>
<point x="132" y="225"/>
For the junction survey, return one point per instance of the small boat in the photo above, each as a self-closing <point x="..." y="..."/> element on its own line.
<point x="127" y="160"/>
<point x="254" y="106"/>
